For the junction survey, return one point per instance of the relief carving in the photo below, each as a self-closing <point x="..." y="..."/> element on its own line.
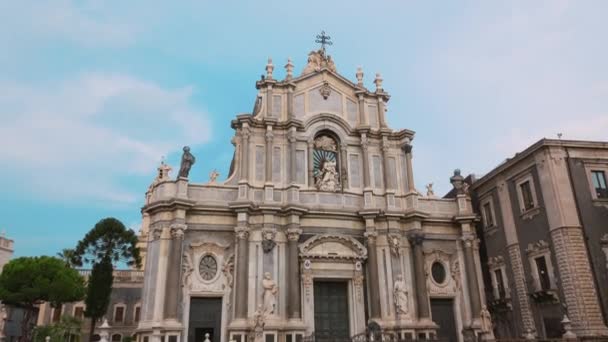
<point x="268" y="242"/>
<point x="270" y="294"/>
<point x="394" y="243"/>
<point x="400" y="297"/>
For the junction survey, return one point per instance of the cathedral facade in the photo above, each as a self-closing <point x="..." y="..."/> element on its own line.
<point x="318" y="229"/>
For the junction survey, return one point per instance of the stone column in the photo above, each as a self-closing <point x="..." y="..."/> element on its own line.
<point x="422" y="295"/>
<point x="408" y="164"/>
<point x="173" y="275"/>
<point x="362" y="117"/>
<point x="372" y="263"/>
<point x="385" y="167"/>
<point x="269" y="137"/>
<point x="269" y="109"/>
<point x="293" y="274"/>
<point x="245" y="152"/>
<point x="290" y="103"/>
<point x="161" y="275"/>
<point x="343" y="166"/>
<point x="292" y="155"/>
<point x="471" y="271"/>
<point x="364" y="148"/>
<point x="381" y="112"/>
<point x="242" y="267"/>
<point x="311" y="176"/>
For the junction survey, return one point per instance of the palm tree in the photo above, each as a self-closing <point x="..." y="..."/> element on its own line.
<point x="104" y="246"/>
<point x="68" y="255"/>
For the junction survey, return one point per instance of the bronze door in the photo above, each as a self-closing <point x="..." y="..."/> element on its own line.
<point x="205" y="318"/>
<point x="331" y="311"/>
<point x="442" y="311"/>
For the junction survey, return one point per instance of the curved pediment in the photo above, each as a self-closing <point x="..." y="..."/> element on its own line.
<point x="333" y="246"/>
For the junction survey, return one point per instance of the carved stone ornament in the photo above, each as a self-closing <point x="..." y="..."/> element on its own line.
<point x="400" y="296"/>
<point x="451" y="268"/>
<point x="213" y="176"/>
<point x="325" y="90"/>
<point x="187" y="161"/>
<point x="318" y="60"/>
<point x="394" y="242"/>
<point x="307" y="264"/>
<point x="496" y="261"/>
<point x="242" y="232"/>
<point x="293" y="234"/>
<point x="270" y="294"/>
<point x="326" y="143"/>
<point x="332" y="246"/>
<point x="177" y="230"/>
<point x="156" y="233"/>
<point x="358" y="282"/>
<point x="537" y="248"/>
<point x="268" y="242"/>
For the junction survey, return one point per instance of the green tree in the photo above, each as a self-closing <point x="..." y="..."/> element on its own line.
<point x="67" y="330"/>
<point x="28" y="281"/>
<point x="104" y="246"/>
<point x="68" y="255"/>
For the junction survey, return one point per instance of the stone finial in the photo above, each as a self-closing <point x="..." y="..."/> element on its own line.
<point x="378" y="82"/>
<point x="269" y="68"/>
<point x="567" y="326"/>
<point x="359" y="76"/>
<point x="104" y="330"/>
<point x="457" y="181"/>
<point x="289" y="69"/>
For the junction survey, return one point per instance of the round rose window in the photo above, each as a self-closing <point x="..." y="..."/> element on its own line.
<point x="438" y="272"/>
<point x="207" y="267"/>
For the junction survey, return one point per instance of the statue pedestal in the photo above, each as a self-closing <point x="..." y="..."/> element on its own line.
<point x="182" y="187"/>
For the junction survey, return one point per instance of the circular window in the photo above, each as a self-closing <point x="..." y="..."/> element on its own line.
<point x="438" y="272"/>
<point x="207" y="267"/>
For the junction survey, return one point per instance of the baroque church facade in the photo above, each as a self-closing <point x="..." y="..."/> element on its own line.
<point x="318" y="229"/>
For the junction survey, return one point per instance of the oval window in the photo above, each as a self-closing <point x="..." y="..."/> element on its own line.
<point x="438" y="272"/>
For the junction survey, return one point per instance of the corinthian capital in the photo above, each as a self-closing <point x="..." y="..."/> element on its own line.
<point x="416" y="239"/>
<point x="242" y="232"/>
<point x="371" y="236"/>
<point x="177" y="230"/>
<point x="293" y="234"/>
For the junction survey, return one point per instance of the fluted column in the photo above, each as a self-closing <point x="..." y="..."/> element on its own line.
<point x="173" y="272"/>
<point x="372" y="263"/>
<point x="311" y="176"/>
<point x="362" y="117"/>
<point x="385" y="167"/>
<point x="473" y="285"/>
<point x="408" y="164"/>
<point x="269" y="138"/>
<point x="293" y="272"/>
<point x="245" y="152"/>
<point x="292" y="156"/>
<point x="242" y="266"/>
<point x="422" y="296"/>
<point x="343" y="166"/>
<point x="364" y="148"/>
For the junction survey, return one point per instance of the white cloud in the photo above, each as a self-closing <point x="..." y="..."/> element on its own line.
<point x="75" y="139"/>
<point x="88" y="23"/>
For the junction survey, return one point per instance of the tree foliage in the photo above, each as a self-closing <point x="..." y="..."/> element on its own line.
<point x="108" y="243"/>
<point x="67" y="330"/>
<point x="27" y="281"/>
<point x="108" y="239"/>
<point x="68" y="255"/>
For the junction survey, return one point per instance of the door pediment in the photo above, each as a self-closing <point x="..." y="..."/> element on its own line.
<point x="332" y="246"/>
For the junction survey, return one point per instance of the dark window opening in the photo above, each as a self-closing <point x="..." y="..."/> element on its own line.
<point x="543" y="273"/>
<point x="56" y="315"/>
<point x="79" y="312"/>
<point x="137" y="313"/>
<point x="438" y="272"/>
<point x="487" y="212"/>
<point x="526" y="194"/>
<point x="599" y="183"/>
<point x="119" y="314"/>
<point x="500" y="283"/>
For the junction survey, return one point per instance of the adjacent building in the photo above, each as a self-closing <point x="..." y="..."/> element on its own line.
<point x="544" y="228"/>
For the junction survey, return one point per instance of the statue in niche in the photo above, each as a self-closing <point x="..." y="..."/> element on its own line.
<point x="187" y="162"/>
<point x="259" y="322"/>
<point x="486" y="319"/>
<point x="270" y="294"/>
<point x="325" y="166"/>
<point x="400" y="296"/>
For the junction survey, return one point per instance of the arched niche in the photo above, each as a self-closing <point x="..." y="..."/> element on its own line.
<point x="327" y="161"/>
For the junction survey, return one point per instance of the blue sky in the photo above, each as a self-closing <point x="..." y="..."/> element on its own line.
<point x="93" y="93"/>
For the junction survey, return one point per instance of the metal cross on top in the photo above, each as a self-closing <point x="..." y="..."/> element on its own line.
<point x="323" y="39"/>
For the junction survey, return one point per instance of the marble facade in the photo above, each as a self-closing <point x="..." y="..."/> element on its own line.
<point x="320" y="189"/>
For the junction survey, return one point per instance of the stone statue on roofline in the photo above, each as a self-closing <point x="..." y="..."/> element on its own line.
<point x="187" y="161"/>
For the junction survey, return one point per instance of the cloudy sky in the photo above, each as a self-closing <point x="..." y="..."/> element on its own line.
<point x="94" y="93"/>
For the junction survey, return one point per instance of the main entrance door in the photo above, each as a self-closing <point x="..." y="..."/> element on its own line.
<point x="442" y="311"/>
<point x="331" y="311"/>
<point x="205" y="318"/>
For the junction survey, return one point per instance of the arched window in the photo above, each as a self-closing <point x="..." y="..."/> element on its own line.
<point x="116" y="338"/>
<point x="95" y="338"/>
<point x="326" y="162"/>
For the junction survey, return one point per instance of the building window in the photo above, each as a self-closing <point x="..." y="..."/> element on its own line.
<point x="119" y="313"/>
<point x="526" y="195"/>
<point x="599" y="183"/>
<point x="488" y="214"/>
<point x="438" y="272"/>
<point x="116" y="338"/>
<point x="136" y="313"/>
<point x="500" y="283"/>
<point x="543" y="272"/>
<point x="56" y="317"/>
<point x="79" y="312"/>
